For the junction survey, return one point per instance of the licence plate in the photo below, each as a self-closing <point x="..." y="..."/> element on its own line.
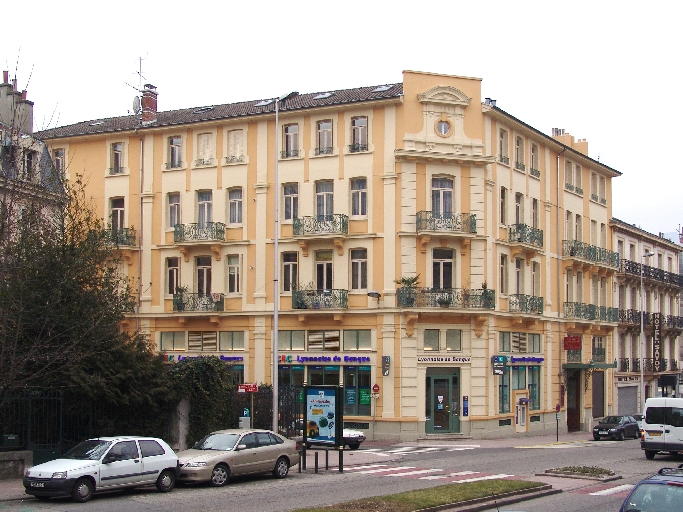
<point x="603" y="432"/>
<point x="654" y="433"/>
<point x="37" y="484"/>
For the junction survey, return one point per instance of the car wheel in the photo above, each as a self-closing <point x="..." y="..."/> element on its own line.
<point x="82" y="491"/>
<point x="281" y="468"/>
<point x="354" y="446"/>
<point x="650" y="454"/>
<point x="166" y="481"/>
<point x="620" y="436"/>
<point x="596" y="438"/>
<point x="220" y="475"/>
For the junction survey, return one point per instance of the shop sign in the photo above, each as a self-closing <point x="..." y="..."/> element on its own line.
<point x="525" y="359"/>
<point x="364" y="395"/>
<point x="572" y="342"/>
<point x="498" y="365"/>
<point x="180" y="357"/>
<point x="447" y="359"/>
<point x="323" y="359"/>
<point x="657" y="341"/>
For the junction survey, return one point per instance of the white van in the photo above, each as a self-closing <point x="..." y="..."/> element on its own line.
<point x="662" y="426"/>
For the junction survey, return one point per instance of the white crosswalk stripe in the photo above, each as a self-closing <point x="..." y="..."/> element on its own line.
<point x="613" y="490"/>
<point x="384" y="470"/>
<point x="408" y="450"/>
<point x="416" y="472"/>
<point x="480" y="478"/>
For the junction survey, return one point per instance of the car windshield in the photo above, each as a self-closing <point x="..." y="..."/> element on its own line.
<point x="91" y="449"/>
<point x="217" y="442"/>
<point x="611" y="419"/>
<point x="653" y="497"/>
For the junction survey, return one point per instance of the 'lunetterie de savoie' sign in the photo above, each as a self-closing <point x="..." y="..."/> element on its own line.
<point x="443" y="359"/>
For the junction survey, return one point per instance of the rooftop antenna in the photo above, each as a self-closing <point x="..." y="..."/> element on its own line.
<point x="137" y="106"/>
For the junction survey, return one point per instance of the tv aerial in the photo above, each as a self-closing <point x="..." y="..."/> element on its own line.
<point x="136" y="105"/>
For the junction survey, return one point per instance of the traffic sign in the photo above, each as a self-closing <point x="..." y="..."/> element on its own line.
<point x="375" y="388"/>
<point x="247" y="388"/>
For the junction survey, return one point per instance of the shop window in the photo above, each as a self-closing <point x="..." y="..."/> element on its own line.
<point x="518" y="377"/>
<point x="431" y="339"/>
<point x="231" y="340"/>
<point x="504" y="391"/>
<point x="291" y="340"/>
<point x="202" y="341"/>
<point x="534" y="388"/>
<point x="171" y="341"/>
<point x="454" y="340"/>
<point x="323" y="375"/>
<point x="323" y="340"/>
<point x="357" y="389"/>
<point x="357" y="340"/>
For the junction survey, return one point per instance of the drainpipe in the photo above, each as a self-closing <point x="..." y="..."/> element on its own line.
<point x="137" y="317"/>
<point x="559" y="281"/>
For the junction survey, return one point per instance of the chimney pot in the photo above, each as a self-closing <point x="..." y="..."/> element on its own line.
<point x="23" y="94"/>
<point x="14" y="84"/>
<point x="5" y="77"/>
<point x="149" y="104"/>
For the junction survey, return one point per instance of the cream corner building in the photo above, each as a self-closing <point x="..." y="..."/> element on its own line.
<point x="506" y="229"/>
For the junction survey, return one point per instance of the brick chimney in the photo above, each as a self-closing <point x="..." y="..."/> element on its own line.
<point x="15" y="110"/>
<point x="149" y="104"/>
<point x="580" y="145"/>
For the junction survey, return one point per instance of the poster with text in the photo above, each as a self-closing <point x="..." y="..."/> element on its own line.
<point x="321" y="415"/>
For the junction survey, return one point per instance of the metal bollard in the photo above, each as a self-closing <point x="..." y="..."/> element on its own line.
<point x="327" y="460"/>
<point x="316" y="461"/>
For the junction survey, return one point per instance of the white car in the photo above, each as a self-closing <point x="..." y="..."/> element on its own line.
<point x="105" y="463"/>
<point x="352" y="439"/>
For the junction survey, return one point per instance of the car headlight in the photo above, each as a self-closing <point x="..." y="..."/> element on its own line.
<point x="613" y="430"/>
<point x="195" y="464"/>
<point x="59" y="474"/>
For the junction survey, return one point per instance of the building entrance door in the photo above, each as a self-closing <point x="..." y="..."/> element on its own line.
<point x="442" y="400"/>
<point x="574" y="402"/>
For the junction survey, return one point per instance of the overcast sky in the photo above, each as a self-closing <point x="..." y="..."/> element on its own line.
<point x="602" y="70"/>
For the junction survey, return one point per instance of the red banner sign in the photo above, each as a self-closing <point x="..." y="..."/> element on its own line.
<point x="247" y="388"/>
<point x="572" y="342"/>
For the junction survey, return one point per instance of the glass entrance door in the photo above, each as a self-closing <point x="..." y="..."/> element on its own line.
<point x="442" y="404"/>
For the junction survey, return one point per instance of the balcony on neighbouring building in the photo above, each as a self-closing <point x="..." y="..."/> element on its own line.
<point x="289" y="153"/>
<point x="635" y="364"/>
<point x="323" y="151"/>
<point x="535" y="173"/>
<point x="591" y="253"/>
<point x="598" y="354"/>
<point x="624" y="364"/>
<point x="186" y="302"/>
<point x="457" y="298"/>
<point x="504" y="159"/>
<point x="520" y="166"/>
<point x="674" y="365"/>
<point x="337" y="224"/>
<point x="574" y="356"/>
<point x="525" y="234"/>
<point x="648" y="364"/>
<point x="234" y="159"/>
<point x="115" y="170"/>
<point x="121" y="236"/>
<point x="203" y="161"/>
<point x="320" y="299"/>
<point x="207" y="231"/>
<point x="358" y="148"/>
<point x="581" y="311"/>
<point x="520" y="303"/>
<point x="446" y="222"/>
<point x="673" y="322"/>
<point x="633" y="269"/>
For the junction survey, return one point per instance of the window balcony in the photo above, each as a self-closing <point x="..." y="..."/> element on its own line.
<point x="535" y="173"/>
<point x="633" y="269"/>
<point x="603" y="200"/>
<point x="446" y="222"/>
<point x="574" y="356"/>
<point x="598" y="354"/>
<point x="674" y="365"/>
<point x="648" y="364"/>
<point x="630" y="316"/>
<point x="525" y="234"/>
<point x="320" y="299"/>
<point x="520" y="166"/>
<point x="519" y="303"/>
<point x="504" y="159"/>
<point x="336" y="224"/>
<point x="624" y="364"/>
<point x="173" y="165"/>
<point x="234" y="159"/>
<point x="208" y="231"/>
<point x="358" y="148"/>
<point x="203" y="161"/>
<point x="115" y="170"/>
<point x="581" y="311"/>
<point x="569" y="186"/>
<point x="594" y="197"/>
<point x="323" y="151"/>
<point x="578" y="190"/>
<point x="121" y="236"/>
<point x="457" y="298"/>
<point x="185" y="302"/>
<point x="591" y="253"/>
<point x="289" y="153"/>
<point x="673" y="322"/>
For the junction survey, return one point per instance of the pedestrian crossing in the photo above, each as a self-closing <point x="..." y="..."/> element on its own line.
<point x="460" y="477"/>
<point x="409" y="450"/>
<point x="609" y="489"/>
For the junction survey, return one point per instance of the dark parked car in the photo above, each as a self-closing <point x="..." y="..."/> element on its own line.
<point x="662" y="492"/>
<point x="616" y="427"/>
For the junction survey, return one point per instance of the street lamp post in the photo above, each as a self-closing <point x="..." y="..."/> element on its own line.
<point x="642" y="330"/>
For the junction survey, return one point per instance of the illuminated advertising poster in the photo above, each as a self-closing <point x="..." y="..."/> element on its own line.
<point x="323" y="417"/>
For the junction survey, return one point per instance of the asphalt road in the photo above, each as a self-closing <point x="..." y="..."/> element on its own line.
<point x="384" y="468"/>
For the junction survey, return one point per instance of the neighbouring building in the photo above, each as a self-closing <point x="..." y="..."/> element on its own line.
<point x="497" y="234"/>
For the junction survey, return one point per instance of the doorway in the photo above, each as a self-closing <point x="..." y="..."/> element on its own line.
<point x="442" y="400"/>
<point x="574" y="401"/>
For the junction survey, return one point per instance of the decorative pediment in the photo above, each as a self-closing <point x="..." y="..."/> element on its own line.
<point x="444" y="95"/>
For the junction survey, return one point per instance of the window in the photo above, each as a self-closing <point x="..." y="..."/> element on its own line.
<point x="202" y="341"/>
<point x="569" y="291"/>
<point x="323" y="270"/>
<point x="431" y="340"/>
<point x="291" y="141"/>
<point x="503" y="205"/>
<point x="568" y="176"/>
<point x="235" y="204"/>
<point x="577" y="179"/>
<point x="518" y="341"/>
<point x="443" y="128"/>
<point x="534" y="161"/>
<point x="519" y="208"/>
<point x="534" y="343"/>
<point x="233" y="273"/>
<point x="30" y="160"/>
<point x="579" y="286"/>
<point x="231" y="340"/>
<point x="568" y="225"/>
<point x="534" y="388"/>
<point x="173" y="209"/>
<point x="594" y="232"/>
<point x="290" y="267"/>
<point x="603" y="235"/>
<point x="324" y="200"/>
<point x="594" y="186"/>
<point x="116" y="158"/>
<point x="175" y="158"/>
<point x="359" y="134"/>
<point x="578" y="228"/>
<point x="442" y="269"/>
<point x="453" y="340"/>
<point x="504" y="392"/>
<point x="503" y="274"/>
<point x="324" y="138"/>
<point x="291" y="198"/>
<point x="205" y="208"/>
<point x="357" y="390"/>
<point x="519" y="275"/>
<point x="117" y="214"/>
<point x="323" y="340"/>
<point x="505" y="342"/>
<point x="150" y="448"/>
<point x="357" y="340"/>
<point x="442" y="197"/>
<point x="518" y="377"/>
<point x="58" y="160"/>
<point x="359" y="269"/>
<point x="359" y="197"/>
<point x="235" y="148"/>
<point x="291" y="340"/>
<point x="204" y="149"/>
<point x="174" y="340"/>
<point x="503" y="152"/>
<point x="172" y="275"/>
<point x="203" y="275"/>
<point x="536" y="278"/>
<point x="603" y="186"/>
<point x="519" y="154"/>
<point x="535" y="214"/>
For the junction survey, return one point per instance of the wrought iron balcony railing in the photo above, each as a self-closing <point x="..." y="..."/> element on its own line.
<point x="629" y="316"/>
<point x="665" y="365"/>
<point x="648" y="364"/>
<point x="598" y="354"/>
<point x="234" y="159"/>
<point x="583" y="311"/>
<point x="321" y="225"/>
<point x="525" y="234"/>
<point x="578" y="190"/>
<point x="569" y="186"/>
<point x="535" y="172"/>
<point x="651" y="273"/>
<point x="320" y="299"/>
<point x="504" y="159"/>
<point x="447" y="221"/>
<point x="458" y="298"/>
<point x="289" y="153"/>
<point x="121" y="236"/>
<point x="576" y="249"/>
<point x="520" y="166"/>
<point x="204" y="161"/>
<point x="603" y="200"/>
<point x="198" y="232"/>
<point x="674" y="365"/>
<point x="574" y="356"/>
<point x="594" y="197"/>
<point x="519" y="303"/>
<point x="173" y="165"/>
<point x="624" y="365"/>
<point x="323" y="151"/>
<point x="116" y="170"/>
<point x="196" y="302"/>
<point x="635" y="364"/>
<point x="358" y="148"/>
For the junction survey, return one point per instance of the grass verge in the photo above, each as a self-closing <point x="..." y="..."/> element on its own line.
<point x="583" y="470"/>
<point x="424" y="498"/>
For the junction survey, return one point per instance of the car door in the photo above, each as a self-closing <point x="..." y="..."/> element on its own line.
<point x="245" y="455"/>
<point x="267" y="451"/>
<point x="154" y="459"/>
<point x="121" y="466"/>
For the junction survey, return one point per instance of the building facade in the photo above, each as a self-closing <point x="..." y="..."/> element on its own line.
<point x="415" y="222"/>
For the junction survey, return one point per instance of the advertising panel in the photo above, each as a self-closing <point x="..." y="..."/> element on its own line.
<point x="324" y="415"/>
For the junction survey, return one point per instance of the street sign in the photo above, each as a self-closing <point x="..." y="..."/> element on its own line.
<point x="245" y="413"/>
<point x="375" y="396"/>
<point x="247" y="388"/>
<point x="385" y="365"/>
<point x="375" y="388"/>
